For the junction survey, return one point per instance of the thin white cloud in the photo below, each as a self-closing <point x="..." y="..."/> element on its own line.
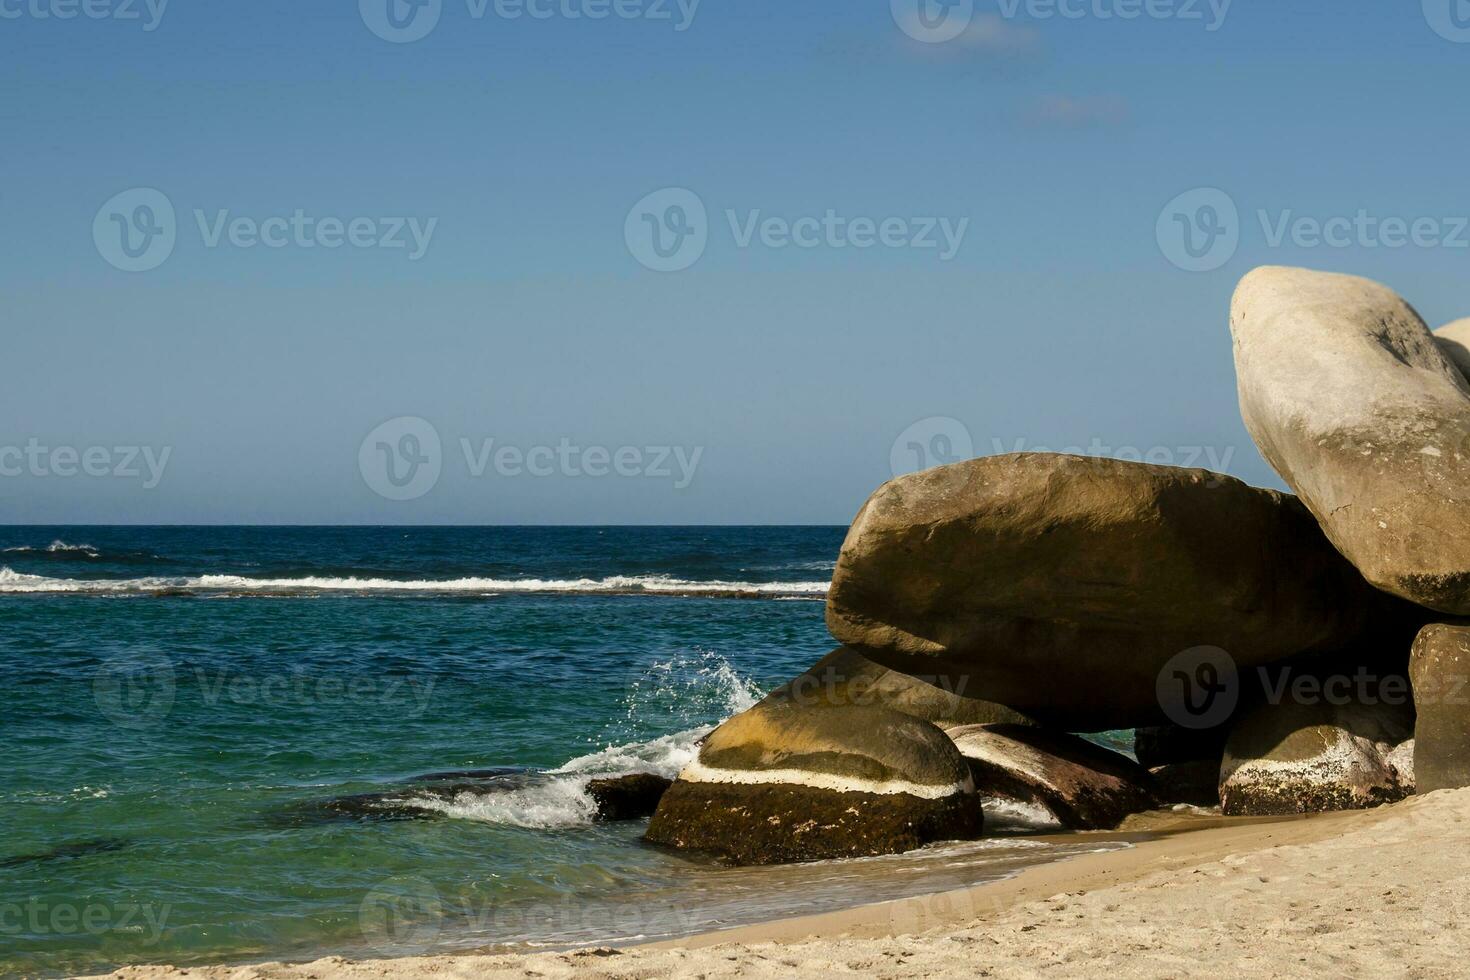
<point x="1076" y="112"/>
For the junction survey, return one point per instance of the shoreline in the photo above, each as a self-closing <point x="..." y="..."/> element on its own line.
<point x="1260" y="885"/>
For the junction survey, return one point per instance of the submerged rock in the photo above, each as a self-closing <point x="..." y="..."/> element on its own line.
<point x="67" y="851"/>
<point x="1440" y="671"/>
<point x="783" y="782"/>
<point x="1312" y="758"/>
<point x="846" y="677"/>
<point x="626" y="797"/>
<point x="1351" y="400"/>
<point x="1085" y="786"/>
<point x="1062" y="585"/>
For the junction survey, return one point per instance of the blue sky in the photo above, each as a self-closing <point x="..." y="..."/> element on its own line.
<point x="522" y="145"/>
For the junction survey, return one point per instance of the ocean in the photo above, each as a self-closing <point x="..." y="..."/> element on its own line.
<point x="179" y="703"/>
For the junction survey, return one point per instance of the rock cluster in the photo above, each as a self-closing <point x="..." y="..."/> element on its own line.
<point x="1258" y="642"/>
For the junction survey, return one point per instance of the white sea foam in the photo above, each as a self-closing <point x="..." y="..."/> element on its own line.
<point x="1016" y="815"/>
<point x="13" y="581"/>
<point x="704" y="682"/>
<point x="55" y="548"/>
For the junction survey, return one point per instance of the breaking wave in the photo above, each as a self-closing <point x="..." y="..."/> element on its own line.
<point x="19" y="582"/>
<point x="703" y="683"/>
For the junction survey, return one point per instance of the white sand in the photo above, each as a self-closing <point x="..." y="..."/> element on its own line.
<point x="1381" y="893"/>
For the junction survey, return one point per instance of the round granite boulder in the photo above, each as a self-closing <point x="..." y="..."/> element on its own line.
<point x="1454" y="341"/>
<point x="846" y="677"/>
<point x="1063" y="586"/>
<point x="1349" y="397"/>
<point x="1085" y="786"/>
<point x="1293" y="757"/>
<point x="784" y="782"/>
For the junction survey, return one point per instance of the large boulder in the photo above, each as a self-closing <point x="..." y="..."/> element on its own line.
<point x="846" y="677"/>
<point x="1085" y="786"/>
<point x="1062" y="585"/>
<point x="1349" y="397"/>
<point x="1294" y="757"/>
<point x="1454" y="341"/>
<point x="783" y="782"/>
<point x="1439" y="669"/>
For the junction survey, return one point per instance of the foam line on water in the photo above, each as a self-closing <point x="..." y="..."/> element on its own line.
<point x="13" y="581"/>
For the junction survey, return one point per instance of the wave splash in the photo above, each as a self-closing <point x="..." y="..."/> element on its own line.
<point x="698" y="684"/>
<point x="13" y="581"/>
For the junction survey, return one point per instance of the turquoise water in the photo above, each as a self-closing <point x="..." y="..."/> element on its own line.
<point x="177" y="703"/>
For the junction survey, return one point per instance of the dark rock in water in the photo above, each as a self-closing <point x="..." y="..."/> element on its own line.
<point x="360" y="807"/>
<point x="1440" y="671"/>
<point x="1165" y="745"/>
<point x="1196" y="783"/>
<point x="1063" y="586"/>
<point x="1085" y="786"/>
<point x="846" y="677"/>
<point x="783" y="782"/>
<point x="67" y="852"/>
<point x="628" y="797"/>
<point x="616" y="797"/>
<point x="1296" y="757"/>
<point x="783" y="823"/>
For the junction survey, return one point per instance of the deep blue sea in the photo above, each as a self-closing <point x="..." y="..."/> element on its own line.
<point x="177" y="703"/>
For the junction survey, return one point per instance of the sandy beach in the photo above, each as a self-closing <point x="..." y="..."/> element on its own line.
<point x="1376" y="893"/>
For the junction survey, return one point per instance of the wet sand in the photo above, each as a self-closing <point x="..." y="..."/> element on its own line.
<point x="1377" y="893"/>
